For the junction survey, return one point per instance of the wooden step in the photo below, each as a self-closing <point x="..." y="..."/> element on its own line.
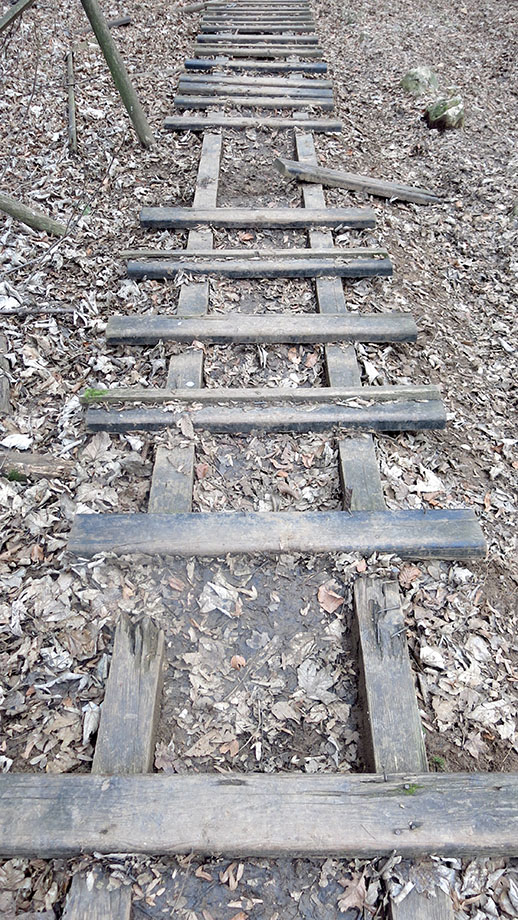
<point x="303" y="328"/>
<point x="258" y="218"/>
<point x="409" y="534"/>
<point x="288" y="83"/>
<point x="257" y="37"/>
<point x="259" y="66"/>
<point x="188" y="86"/>
<point x="400" y="415"/>
<point x="293" y="252"/>
<point x="199" y="101"/>
<point x="258" y="51"/>
<point x="265" y="28"/>
<point x="215" y="120"/>
<point x="268" y="268"/>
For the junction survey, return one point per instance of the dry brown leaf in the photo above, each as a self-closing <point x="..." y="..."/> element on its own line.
<point x="328" y="599"/>
<point x="237" y="662"/>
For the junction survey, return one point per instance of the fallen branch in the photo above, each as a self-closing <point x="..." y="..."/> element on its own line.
<point x="13" y="13"/>
<point x="118" y="71"/>
<point x="72" y="129"/>
<point x="26" y="215"/>
<point x="193" y="7"/>
<point x="36" y="309"/>
<point x="337" y="179"/>
<point x="112" y="24"/>
<point x="17" y="464"/>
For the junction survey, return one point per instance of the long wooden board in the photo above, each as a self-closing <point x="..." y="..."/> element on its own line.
<point x="188" y="87"/>
<point x="215" y="120"/>
<point x="205" y="101"/>
<point x="264" y="328"/>
<point x="261" y="218"/>
<point x="360" y="252"/>
<point x="246" y="28"/>
<point x="258" y="268"/>
<point x="338" y="179"/>
<point x="260" y="66"/>
<point x="411" y="534"/>
<point x="291" y="83"/>
<point x="258" y="51"/>
<point x="252" y="38"/>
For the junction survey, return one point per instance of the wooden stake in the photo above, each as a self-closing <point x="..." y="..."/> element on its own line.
<point x="118" y="71"/>
<point x="72" y="130"/>
<point x="34" y="219"/>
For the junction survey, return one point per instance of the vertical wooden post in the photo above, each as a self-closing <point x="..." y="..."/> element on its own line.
<point x="118" y="71"/>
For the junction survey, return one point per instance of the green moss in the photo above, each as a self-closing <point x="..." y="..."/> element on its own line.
<point x="16" y="476"/>
<point x="438" y="762"/>
<point x="411" y="788"/>
<point x="92" y="395"/>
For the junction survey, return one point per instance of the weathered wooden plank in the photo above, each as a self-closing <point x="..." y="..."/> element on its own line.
<point x="353" y="815"/>
<point x="34" y="466"/>
<point x="126" y="736"/>
<point x="393" y="734"/>
<point x="252" y="38"/>
<point x="215" y="120"/>
<point x="13" y="12"/>
<point x="221" y="79"/>
<point x="361" y="252"/>
<point x="258" y="51"/>
<point x="338" y="179"/>
<point x="395" y="416"/>
<point x="261" y="218"/>
<point x="187" y="87"/>
<point x="342" y="367"/>
<point x="172" y="482"/>
<point x="185" y="371"/>
<point x="260" y="66"/>
<point x="198" y="101"/>
<point x="411" y="534"/>
<point x="258" y="268"/>
<point x="248" y="395"/>
<point x="359" y="475"/>
<point x="265" y="328"/>
<point x="91" y="898"/>
<point x="248" y="27"/>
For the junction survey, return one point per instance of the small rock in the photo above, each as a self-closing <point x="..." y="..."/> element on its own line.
<point x="431" y="657"/>
<point x="445" y="114"/>
<point x="420" y="80"/>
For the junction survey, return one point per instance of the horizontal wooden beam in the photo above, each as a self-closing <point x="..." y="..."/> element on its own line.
<point x="268" y="328"/>
<point x="248" y="27"/>
<point x="260" y="66"/>
<point x="259" y="51"/>
<point x="250" y="395"/>
<point x="395" y="416"/>
<point x="260" y="218"/>
<point x="353" y="815"/>
<point x="279" y="82"/>
<point x="267" y="268"/>
<point x="337" y="179"/>
<point x="188" y="87"/>
<point x="252" y="38"/>
<point x="361" y="252"/>
<point x="410" y="534"/>
<point x="214" y="120"/>
<point x="205" y="101"/>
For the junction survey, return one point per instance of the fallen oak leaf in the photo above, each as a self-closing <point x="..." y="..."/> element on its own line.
<point x="328" y="599"/>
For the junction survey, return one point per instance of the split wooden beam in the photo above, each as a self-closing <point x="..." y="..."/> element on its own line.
<point x="337" y="179"/>
<point x="161" y="218"/>
<point x="232" y="122"/>
<point x="71" y="97"/>
<point x="253" y="38"/>
<point x="5" y="398"/>
<point x="241" y="328"/>
<point x="251" y="28"/>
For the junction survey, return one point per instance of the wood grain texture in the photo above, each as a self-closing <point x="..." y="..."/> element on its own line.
<point x="258" y="268"/>
<point x="414" y="534"/>
<point x="359" y="475"/>
<point x="269" y="329"/>
<point x="129" y="714"/>
<point x="201" y="64"/>
<point x="189" y="87"/>
<point x="161" y="218"/>
<point x="199" y="101"/>
<point x="419" y="907"/>
<point x="214" y="120"/>
<point x="286" y="38"/>
<point x="172" y="481"/>
<point x="91" y="898"/>
<point x="247" y="27"/>
<point x="272" y="83"/>
<point x="178" y="255"/>
<point x="259" y="51"/>
<point x="260" y="815"/>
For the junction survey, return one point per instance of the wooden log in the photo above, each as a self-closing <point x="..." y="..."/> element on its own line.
<point x="396" y="416"/>
<point x="118" y="71"/>
<point x="351" y="815"/>
<point x="187" y="87"/>
<point x="192" y="7"/>
<point x="258" y="218"/>
<point x="251" y="28"/>
<point x="274" y="328"/>
<point x="199" y="101"/>
<point x="24" y="464"/>
<point x="202" y="64"/>
<point x="30" y="217"/>
<point x="11" y="14"/>
<point x="337" y="179"/>
<point x="250" y="395"/>
<point x="392" y="725"/>
<point x="249" y="268"/>
<point x="257" y="38"/>
<point x="232" y="122"/>
<point x="72" y="128"/>
<point x="258" y="51"/>
<point x="291" y="83"/>
<point x="112" y="24"/>
<point x="347" y="255"/>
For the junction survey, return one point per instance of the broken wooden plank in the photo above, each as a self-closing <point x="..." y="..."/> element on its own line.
<point x="263" y="328"/>
<point x="247" y="395"/>
<point x="260" y="218"/>
<point x="337" y="179"/>
<point x="396" y="416"/>
<point x="260" y="66"/>
<point x="23" y="464"/>
<point x="359" y="475"/>
<point x="250" y="268"/>
<point x="215" y="120"/>
<point x="200" y="101"/>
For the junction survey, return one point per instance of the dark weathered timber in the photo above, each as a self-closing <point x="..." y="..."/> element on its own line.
<point x="259" y="66"/>
<point x="198" y="101"/>
<point x="91" y="898"/>
<point x="410" y="534"/>
<point x="282" y="268"/>
<point x="291" y="83"/>
<point x="214" y="120"/>
<point x="257" y="38"/>
<point x="352" y="815"/>
<point x="260" y="218"/>
<point x="396" y="416"/>
<point x="129" y="714"/>
<point x="208" y="27"/>
<point x="188" y="87"/>
<point x="172" y="482"/>
<point x="268" y="328"/>
<point x="359" y="475"/>
<point x="34" y="466"/>
<point x="337" y="179"/>
<point x="360" y="252"/>
<point x="259" y="51"/>
<point x="268" y="395"/>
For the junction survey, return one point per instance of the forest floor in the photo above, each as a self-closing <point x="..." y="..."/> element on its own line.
<point x="293" y="706"/>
